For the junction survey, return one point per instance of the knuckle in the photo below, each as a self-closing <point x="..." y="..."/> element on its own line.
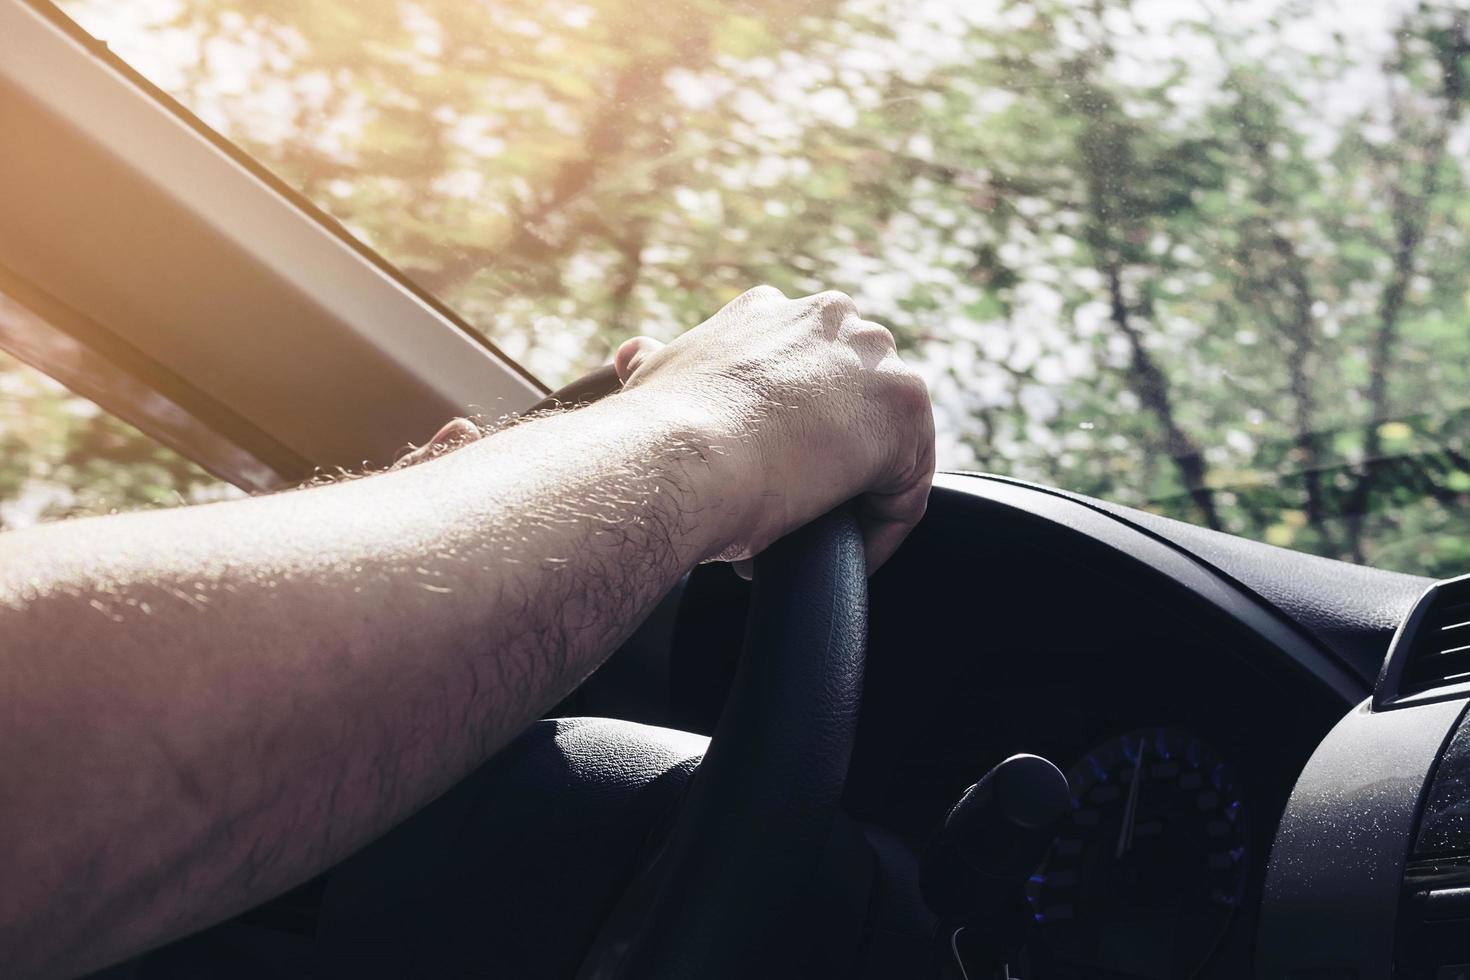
<point x="833" y="299"/>
<point x="921" y="507"/>
<point x="911" y="393"/>
<point x="763" y="293"/>
<point x="876" y="334"/>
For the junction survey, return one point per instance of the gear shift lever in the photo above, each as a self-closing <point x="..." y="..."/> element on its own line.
<point x="973" y="874"/>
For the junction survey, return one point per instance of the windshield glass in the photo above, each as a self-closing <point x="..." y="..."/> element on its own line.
<point x="1206" y="258"/>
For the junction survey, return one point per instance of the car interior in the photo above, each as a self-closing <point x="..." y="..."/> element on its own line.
<point x="1054" y="737"/>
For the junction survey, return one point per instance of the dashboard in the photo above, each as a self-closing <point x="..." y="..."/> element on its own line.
<point x="1268" y="753"/>
<point x="1180" y="733"/>
<point x="1180" y="726"/>
<point x="1178" y="864"/>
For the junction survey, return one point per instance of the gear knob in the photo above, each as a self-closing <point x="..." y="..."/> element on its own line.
<point x="994" y="838"/>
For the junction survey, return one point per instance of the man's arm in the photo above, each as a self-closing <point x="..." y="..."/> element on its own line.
<point x="201" y="707"/>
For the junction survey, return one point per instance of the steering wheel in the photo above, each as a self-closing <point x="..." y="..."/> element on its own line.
<point x="714" y="897"/>
<point x="747" y="836"/>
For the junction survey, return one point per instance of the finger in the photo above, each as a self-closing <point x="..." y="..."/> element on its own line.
<point x="745" y="568"/>
<point x="407" y="456"/>
<point x="886" y="521"/>
<point x="455" y="433"/>
<point x="414" y="455"/>
<point x="632" y="354"/>
<point x="887" y="514"/>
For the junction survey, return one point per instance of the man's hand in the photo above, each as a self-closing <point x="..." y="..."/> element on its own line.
<point x="812" y="405"/>
<point x="809" y="401"/>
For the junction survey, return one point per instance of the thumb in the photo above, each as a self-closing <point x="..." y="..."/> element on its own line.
<point x="454" y="434"/>
<point x="632" y="354"/>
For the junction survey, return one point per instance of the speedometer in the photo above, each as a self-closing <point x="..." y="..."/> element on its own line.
<point x="1148" y="869"/>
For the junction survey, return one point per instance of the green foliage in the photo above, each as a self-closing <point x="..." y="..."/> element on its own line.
<point x="1161" y="253"/>
<point x="64" y="457"/>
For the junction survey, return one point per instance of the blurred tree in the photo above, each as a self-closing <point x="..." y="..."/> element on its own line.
<point x="62" y="456"/>
<point x="1191" y="257"/>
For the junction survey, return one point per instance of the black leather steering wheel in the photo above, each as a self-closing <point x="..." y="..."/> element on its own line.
<point x="717" y="898"/>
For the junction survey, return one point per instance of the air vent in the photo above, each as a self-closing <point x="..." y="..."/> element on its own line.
<point x="1431" y="651"/>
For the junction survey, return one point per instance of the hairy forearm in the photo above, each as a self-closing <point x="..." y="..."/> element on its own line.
<point x="205" y="706"/>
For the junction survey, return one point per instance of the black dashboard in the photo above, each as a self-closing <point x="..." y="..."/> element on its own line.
<point x="1260" y="786"/>
<point x="1018" y="620"/>
<point x="1163" y="717"/>
<point x="1182" y="679"/>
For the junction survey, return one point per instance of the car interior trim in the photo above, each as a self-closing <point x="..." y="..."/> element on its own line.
<point x="1429" y="659"/>
<point x="107" y="371"/>
<point x="1333" y="886"/>
<point x="1352" y="611"/>
<point x="347" y="361"/>
<point x="1173" y="563"/>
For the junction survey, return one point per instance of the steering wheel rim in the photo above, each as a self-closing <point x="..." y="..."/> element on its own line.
<point x="749" y="833"/>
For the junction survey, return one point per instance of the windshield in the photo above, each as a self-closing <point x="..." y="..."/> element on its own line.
<point x="1206" y="258"/>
